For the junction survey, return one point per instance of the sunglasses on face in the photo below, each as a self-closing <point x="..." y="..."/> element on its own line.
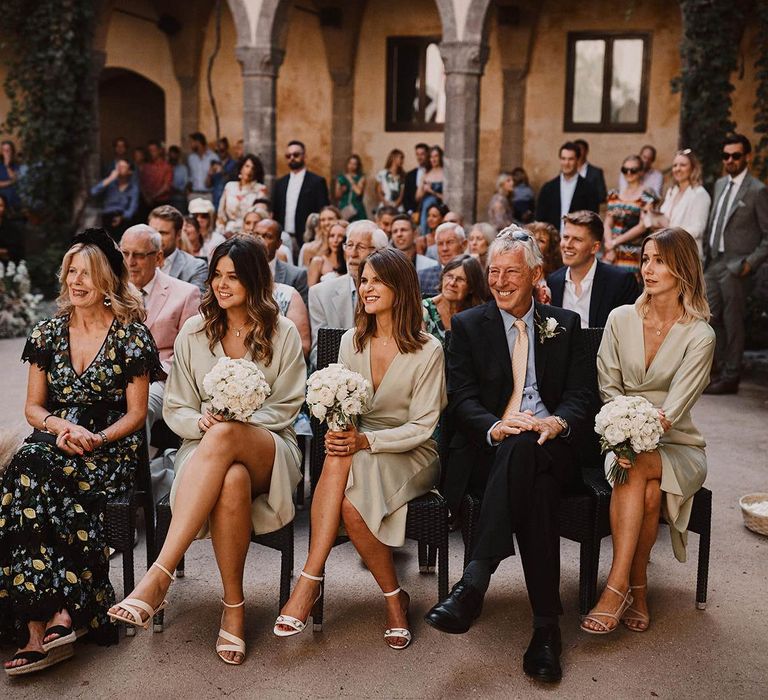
<point x="629" y="171"/>
<point x="293" y="154"/>
<point x="732" y="156"/>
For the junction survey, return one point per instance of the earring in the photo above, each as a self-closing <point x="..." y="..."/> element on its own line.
<point x="107" y="302"/>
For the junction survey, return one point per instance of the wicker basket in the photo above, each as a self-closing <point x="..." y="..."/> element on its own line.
<point x="756" y="523"/>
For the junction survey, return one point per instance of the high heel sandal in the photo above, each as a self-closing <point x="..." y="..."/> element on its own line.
<point x="294" y="623"/>
<point x="398" y="632"/>
<point x="626" y="601"/>
<point x="134" y="606"/>
<point x="636" y="616"/>
<point x="237" y="645"/>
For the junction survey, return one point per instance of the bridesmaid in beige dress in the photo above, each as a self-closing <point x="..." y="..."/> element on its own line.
<point x="660" y="348"/>
<point x="372" y="471"/>
<point x="232" y="478"/>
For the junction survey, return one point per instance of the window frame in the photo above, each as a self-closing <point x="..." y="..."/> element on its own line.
<point x="605" y="125"/>
<point x="391" y="124"/>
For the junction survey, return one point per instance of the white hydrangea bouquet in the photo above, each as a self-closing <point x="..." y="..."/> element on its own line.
<point x="627" y="425"/>
<point x="19" y="309"/>
<point x="237" y="388"/>
<point x="337" y="395"/>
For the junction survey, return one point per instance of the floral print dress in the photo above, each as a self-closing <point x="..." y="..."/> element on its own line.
<point x="53" y="549"/>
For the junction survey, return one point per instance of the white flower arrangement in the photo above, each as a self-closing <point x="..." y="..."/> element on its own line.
<point x="237" y="388"/>
<point x="19" y="310"/>
<point x="627" y="425"/>
<point x="337" y="395"/>
<point x="548" y="328"/>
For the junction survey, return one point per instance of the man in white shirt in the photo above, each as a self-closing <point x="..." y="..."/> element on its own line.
<point x="199" y="162"/>
<point x="584" y="284"/>
<point x="332" y="303"/>
<point x="404" y="239"/>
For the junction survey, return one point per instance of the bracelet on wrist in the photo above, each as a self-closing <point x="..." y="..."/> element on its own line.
<point x="103" y="437"/>
<point x="45" y="423"/>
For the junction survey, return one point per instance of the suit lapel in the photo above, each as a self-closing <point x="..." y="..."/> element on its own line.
<point x="597" y="296"/>
<point x="497" y="346"/>
<point x="557" y="288"/>
<point x="539" y="350"/>
<point x="280" y="271"/>
<point x="156" y="300"/>
<point x="745" y="185"/>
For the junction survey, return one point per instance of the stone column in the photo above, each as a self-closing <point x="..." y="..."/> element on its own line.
<point x="190" y="106"/>
<point x="513" y="118"/>
<point x="260" y="66"/>
<point x="92" y="170"/>
<point x="464" y="63"/>
<point x="343" y="102"/>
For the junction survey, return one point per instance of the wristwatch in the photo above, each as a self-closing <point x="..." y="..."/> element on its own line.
<point x="562" y="423"/>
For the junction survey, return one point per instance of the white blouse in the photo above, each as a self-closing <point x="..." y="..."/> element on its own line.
<point x="691" y="212"/>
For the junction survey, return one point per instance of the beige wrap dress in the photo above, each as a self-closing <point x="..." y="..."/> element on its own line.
<point x="401" y="416"/>
<point x="186" y="400"/>
<point x="673" y="382"/>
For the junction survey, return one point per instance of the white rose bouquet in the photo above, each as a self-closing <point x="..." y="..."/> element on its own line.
<point x="237" y="388"/>
<point x="337" y="396"/>
<point x="627" y="425"/>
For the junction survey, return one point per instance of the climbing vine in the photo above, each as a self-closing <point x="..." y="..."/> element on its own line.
<point x="50" y="86"/>
<point x="710" y="53"/>
<point x="761" y="102"/>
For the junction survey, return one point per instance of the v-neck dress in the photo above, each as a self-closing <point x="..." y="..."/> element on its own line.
<point x="673" y="382"/>
<point x="186" y="400"/>
<point x="402" y="414"/>
<point x="53" y="548"/>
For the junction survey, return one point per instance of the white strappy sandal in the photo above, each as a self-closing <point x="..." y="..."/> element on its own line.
<point x="294" y="623"/>
<point x="626" y="601"/>
<point x="134" y="607"/>
<point x="237" y="645"/>
<point x="397" y="632"/>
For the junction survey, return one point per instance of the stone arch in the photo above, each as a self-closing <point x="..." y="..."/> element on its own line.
<point x="447" y="14"/>
<point x="243" y="22"/>
<point x="272" y="23"/>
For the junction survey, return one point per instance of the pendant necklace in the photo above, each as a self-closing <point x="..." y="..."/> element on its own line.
<point x="660" y="329"/>
<point x="237" y="330"/>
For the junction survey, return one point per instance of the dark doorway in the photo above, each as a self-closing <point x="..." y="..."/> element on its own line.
<point x="130" y="106"/>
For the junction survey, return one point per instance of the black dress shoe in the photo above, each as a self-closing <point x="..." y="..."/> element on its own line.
<point x="458" y="611"/>
<point x="542" y="660"/>
<point x="723" y="386"/>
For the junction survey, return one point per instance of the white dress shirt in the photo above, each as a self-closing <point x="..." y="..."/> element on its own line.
<point x="199" y="167"/>
<point x="567" y="188"/>
<point x="737" y="181"/>
<point x="295" y="181"/>
<point x="579" y="302"/>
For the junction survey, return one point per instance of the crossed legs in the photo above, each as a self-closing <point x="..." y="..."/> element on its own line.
<point x="634" y="512"/>
<point x="232" y="465"/>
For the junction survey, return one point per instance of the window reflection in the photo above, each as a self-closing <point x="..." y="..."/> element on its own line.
<point x="588" y="81"/>
<point x="626" y="80"/>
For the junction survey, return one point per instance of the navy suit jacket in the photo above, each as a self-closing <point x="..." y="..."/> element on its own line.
<point x="611" y="287"/>
<point x="548" y="205"/>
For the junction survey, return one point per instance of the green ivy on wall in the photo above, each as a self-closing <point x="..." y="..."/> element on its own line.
<point x="50" y="86"/>
<point x="709" y="50"/>
<point x="761" y="102"/>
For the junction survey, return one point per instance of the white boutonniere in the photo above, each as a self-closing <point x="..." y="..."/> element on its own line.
<point x="548" y="328"/>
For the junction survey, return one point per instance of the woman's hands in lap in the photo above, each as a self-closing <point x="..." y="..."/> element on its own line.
<point x="345" y="443"/>
<point x="76" y="440"/>
<point x="208" y="420"/>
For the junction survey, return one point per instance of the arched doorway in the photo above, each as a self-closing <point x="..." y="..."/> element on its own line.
<point x="129" y="106"/>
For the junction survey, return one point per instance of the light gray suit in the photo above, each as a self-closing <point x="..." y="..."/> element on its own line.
<point x="292" y="275"/>
<point x="330" y="306"/>
<point x="745" y="239"/>
<point x="188" y="268"/>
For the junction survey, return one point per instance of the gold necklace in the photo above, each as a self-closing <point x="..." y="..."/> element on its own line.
<point x="237" y="330"/>
<point x="384" y="342"/>
<point x="660" y="329"/>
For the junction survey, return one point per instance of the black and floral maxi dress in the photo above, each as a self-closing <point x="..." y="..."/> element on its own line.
<point x="53" y="550"/>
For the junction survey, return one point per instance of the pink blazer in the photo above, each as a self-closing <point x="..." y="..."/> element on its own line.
<point x="170" y="303"/>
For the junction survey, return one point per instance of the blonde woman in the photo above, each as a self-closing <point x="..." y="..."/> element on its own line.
<point x="687" y="203"/>
<point x="660" y="348"/>
<point x="318" y="243"/>
<point x="87" y="393"/>
<point x="331" y="263"/>
<point x="500" y="211"/>
<point x="232" y="478"/>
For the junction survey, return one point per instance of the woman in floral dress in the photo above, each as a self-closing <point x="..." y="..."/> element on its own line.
<point x="90" y="368"/>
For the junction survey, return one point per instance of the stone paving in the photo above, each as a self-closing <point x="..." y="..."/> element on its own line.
<point x="687" y="653"/>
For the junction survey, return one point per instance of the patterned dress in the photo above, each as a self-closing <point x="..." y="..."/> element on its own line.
<point x="626" y="214"/>
<point x="433" y="324"/>
<point x="53" y="549"/>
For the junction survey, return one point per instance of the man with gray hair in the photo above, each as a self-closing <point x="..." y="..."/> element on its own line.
<point x="169" y="303"/>
<point x="450" y="241"/>
<point x="518" y="394"/>
<point x="332" y="303"/>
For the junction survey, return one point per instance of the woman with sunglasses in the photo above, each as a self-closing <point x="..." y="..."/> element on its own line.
<point x="624" y="227"/>
<point x="687" y="203"/>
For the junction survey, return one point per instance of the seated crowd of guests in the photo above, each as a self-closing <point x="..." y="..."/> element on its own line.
<point x="140" y="324"/>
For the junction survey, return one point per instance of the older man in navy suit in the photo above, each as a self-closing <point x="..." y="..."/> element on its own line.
<point x="584" y="284"/>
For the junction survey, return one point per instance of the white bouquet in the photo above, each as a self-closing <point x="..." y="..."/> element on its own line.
<point x="627" y="425"/>
<point x="237" y="388"/>
<point x="337" y="395"/>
